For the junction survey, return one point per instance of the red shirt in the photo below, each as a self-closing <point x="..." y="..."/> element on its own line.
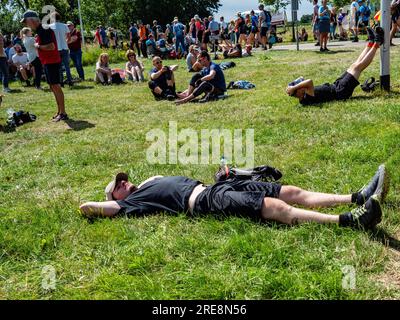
<point x="76" y="45"/>
<point x="43" y="37"/>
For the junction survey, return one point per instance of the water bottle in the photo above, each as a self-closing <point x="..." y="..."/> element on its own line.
<point x="295" y="82"/>
<point x="10" y="112"/>
<point x="224" y="166"/>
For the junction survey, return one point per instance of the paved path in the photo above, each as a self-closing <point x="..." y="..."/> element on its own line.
<point x="331" y="45"/>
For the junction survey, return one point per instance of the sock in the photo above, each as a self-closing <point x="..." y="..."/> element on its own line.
<point x="370" y="44"/>
<point x="354" y="197"/>
<point x="345" y="219"/>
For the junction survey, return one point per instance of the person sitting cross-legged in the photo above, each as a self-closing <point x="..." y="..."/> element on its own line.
<point x="344" y="86"/>
<point x="162" y="83"/>
<point x="257" y="200"/>
<point x="210" y="81"/>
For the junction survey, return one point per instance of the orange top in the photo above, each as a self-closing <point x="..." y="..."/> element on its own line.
<point x="142" y="33"/>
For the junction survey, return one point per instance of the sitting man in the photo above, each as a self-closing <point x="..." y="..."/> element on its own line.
<point x="257" y="200"/>
<point x="21" y="61"/>
<point x="163" y="46"/>
<point x="162" y="83"/>
<point x="210" y="80"/>
<point x="152" y="49"/>
<point x="344" y="86"/>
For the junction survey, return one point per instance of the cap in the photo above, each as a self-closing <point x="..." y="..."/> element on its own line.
<point x="29" y="14"/>
<point x="122" y="176"/>
<point x="69" y="23"/>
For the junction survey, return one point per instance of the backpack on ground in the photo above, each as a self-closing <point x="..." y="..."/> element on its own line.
<point x="261" y="173"/>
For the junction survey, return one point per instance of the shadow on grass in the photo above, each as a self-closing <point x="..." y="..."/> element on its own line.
<point x="386" y="239"/>
<point x="333" y="51"/>
<point x="14" y="91"/>
<point x="78" y="87"/>
<point x="78" y="125"/>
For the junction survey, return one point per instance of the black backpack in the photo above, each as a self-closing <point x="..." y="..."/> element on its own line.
<point x="116" y="78"/>
<point x="261" y="173"/>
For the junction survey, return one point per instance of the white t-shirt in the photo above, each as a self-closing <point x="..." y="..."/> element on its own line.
<point x="20" y="59"/>
<point x="29" y="44"/>
<point x="60" y="30"/>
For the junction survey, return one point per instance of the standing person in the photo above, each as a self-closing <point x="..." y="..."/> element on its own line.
<point x="324" y="25"/>
<point x="364" y="14"/>
<point x="4" y="66"/>
<point x="193" y="31"/>
<point x="97" y="37"/>
<point x="29" y="44"/>
<point x="155" y="30"/>
<point x="63" y="36"/>
<point x="315" y="22"/>
<point x="342" y="32"/>
<point x="143" y="39"/>
<point x="46" y="45"/>
<point x="354" y="7"/>
<point x="395" y="13"/>
<point x="134" y="38"/>
<point x="231" y="31"/>
<point x="103" y="35"/>
<point x="179" y="32"/>
<point x="169" y="34"/>
<point x="240" y="25"/>
<point x="332" y="32"/>
<point x="254" y="29"/>
<point x="214" y="30"/>
<point x="112" y="36"/>
<point x="264" y="22"/>
<point x="199" y="29"/>
<point x="75" y="49"/>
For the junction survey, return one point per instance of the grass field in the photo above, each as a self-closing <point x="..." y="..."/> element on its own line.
<point x="47" y="169"/>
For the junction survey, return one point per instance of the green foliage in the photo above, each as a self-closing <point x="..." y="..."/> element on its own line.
<point x="91" y="55"/>
<point x="306" y="18"/>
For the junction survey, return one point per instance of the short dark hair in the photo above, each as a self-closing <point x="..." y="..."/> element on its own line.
<point x="204" y="54"/>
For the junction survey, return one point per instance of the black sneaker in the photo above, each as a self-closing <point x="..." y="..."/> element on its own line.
<point x="317" y="44"/>
<point x="321" y="49"/>
<point x="170" y="97"/>
<point x="371" y="35"/>
<point x="366" y="216"/>
<point x="382" y="187"/>
<point x="368" y="190"/>
<point x="63" y="116"/>
<point x="379" y="35"/>
<point x="355" y="39"/>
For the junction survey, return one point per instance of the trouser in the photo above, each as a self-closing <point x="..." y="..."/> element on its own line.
<point x="180" y="43"/>
<point x="135" y="43"/>
<point x="4" y="72"/>
<point x="203" y="87"/>
<point x="64" y="54"/>
<point x="143" y="47"/>
<point x="37" y="65"/>
<point x="76" y="57"/>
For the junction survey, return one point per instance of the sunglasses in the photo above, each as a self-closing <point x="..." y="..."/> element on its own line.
<point x="159" y="62"/>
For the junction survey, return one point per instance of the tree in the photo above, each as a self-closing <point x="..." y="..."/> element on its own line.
<point x="306" y="18"/>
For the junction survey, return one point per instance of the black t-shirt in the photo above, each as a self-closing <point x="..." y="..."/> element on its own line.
<point x="169" y="194"/>
<point x="161" y="81"/>
<point x="323" y="93"/>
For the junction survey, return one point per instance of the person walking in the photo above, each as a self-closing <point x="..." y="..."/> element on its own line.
<point x="75" y="49"/>
<point x="324" y="25"/>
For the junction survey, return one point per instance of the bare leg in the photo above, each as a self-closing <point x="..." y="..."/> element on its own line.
<point x="277" y="210"/>
<point x="295" y="195"/>
<point x="363" y="54"/>
<point x="59" y="95"/>
<point x="22" y="71"/>
<point x="358" y="67"/>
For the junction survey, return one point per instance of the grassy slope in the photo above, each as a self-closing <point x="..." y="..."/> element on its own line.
<point x="47" y="169"/>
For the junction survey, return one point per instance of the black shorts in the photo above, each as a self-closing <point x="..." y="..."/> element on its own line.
<point x="345" y="85"/>
<point x="52" y="72"/>
<point x="264" y="31"/>
<point x="235" y="197"/>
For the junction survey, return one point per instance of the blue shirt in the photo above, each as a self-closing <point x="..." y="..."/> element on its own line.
<point x="178" y="29"/>
<point x="162" y="43"/>
<point x="133" y="31"/>
<point x="219" y="79"/>
<point x="214" y="26"/>
<point x="151" y="43"/>
<point x="365" y="11"/>
<point x="254" y="21"/>
<point x="326" y="15"/>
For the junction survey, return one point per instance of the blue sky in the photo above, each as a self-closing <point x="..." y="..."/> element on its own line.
<point x="230" y="7"/>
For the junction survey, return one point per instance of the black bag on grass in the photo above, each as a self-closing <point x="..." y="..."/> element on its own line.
<point x="261" y="173"/>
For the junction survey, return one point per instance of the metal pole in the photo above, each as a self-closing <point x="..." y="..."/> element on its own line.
<point x="385" y="49"/>
<point x="297" y="33"/>
<point x="81" y="23"/>
<point x="293" y="35"/>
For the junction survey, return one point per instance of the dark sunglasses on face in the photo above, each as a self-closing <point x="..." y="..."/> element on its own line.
<point x="159" y="62"/>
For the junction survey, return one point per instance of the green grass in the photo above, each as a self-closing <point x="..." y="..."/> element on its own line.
<point x="48" y="169"/>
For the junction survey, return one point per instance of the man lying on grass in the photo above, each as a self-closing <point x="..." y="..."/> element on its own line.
<point x="259" y="200"/>
<point x="344" y="86"/>
<point x="210" y="81"/>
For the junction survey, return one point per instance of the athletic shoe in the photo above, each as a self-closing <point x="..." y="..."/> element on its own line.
<point x="368" y="190"/>
<point x="379" y="35"/>
<point x="63" y="116"/>
<point x="382" y="187"/>
<point x="317" y="44"/>
<point x="321" y="49"/>
<point x="170" y="97"/>
<point x="366" y="216"/>
<point x="326" y="49"/>
<point x="355" y="39"/>
<point x="371" y="35"/>
<point x="6" y="90"/>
